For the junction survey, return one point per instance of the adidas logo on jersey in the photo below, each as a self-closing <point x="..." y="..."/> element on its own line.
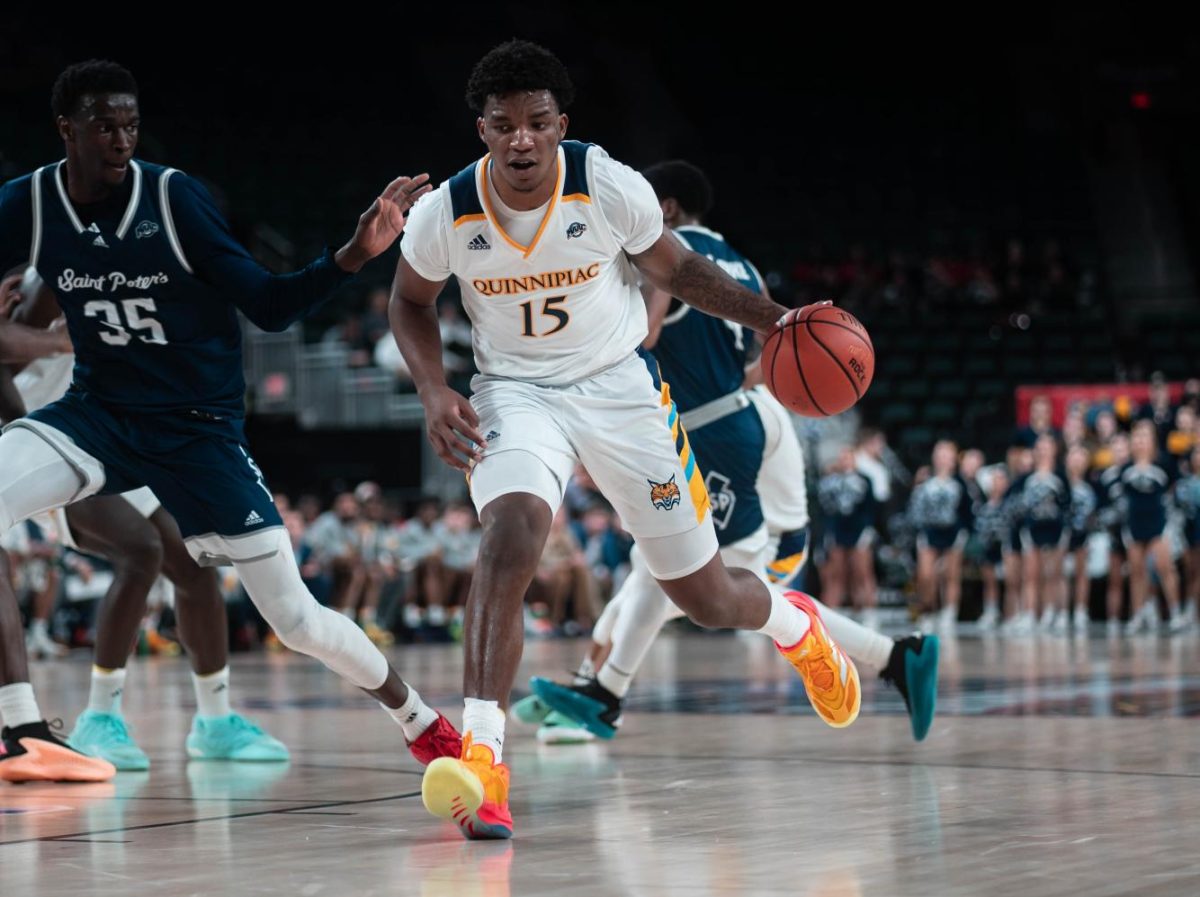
<point x="99" y="241"/>
<point x="253" y="519"/>
<point x="479" y="243"/>
<point x="492" y="436"/>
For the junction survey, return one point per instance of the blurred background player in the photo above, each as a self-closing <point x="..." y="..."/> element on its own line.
<point x="1145" y="483"/>
<point x="940" y="509"/>
<point x="1045" y="501"/>
<point x="1084" y="502"/>
<point x="848" y="500"/>
<point x="1110" y="514"/>
<point x="993" y="527"/>
<point x="1187" y="497"/>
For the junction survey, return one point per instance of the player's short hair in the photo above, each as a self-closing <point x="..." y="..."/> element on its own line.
<point x="683" y="182"/>
<point x="518" y="65"/>
<point x="95" y="76"/>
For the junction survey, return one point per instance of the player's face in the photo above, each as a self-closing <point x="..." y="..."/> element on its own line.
<point x="102" y="136"/>
<point x="1044" y="451"/>
<point x="522" y="131"/>
<point x="1141" y="443"/>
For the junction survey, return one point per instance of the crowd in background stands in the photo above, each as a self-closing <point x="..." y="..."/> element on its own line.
<point x="1110" y="498"/>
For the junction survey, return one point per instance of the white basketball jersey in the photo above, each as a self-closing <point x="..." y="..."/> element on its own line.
<point x="563" y="307"/>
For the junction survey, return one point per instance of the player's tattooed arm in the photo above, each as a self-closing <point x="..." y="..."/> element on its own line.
<point x="451" y="422"/>
<point x="701" y="284"/>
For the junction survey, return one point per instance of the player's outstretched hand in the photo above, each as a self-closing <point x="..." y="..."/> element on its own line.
<point x="453" y="425"/>
<point x="380" y="225"/>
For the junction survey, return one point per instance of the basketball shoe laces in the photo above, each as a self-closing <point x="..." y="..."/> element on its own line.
<point x="823" y="667"/>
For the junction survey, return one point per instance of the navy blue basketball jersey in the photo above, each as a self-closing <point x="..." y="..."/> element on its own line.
<point x="150" y="289"/>
<point x="703" y="357"/>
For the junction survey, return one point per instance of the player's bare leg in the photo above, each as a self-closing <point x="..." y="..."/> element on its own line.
<point x="1139" y="586"/>
<point x="862" y="584"/>
<point x="1114" y="593"/>
<point x="833" y="578"/>
<point x="1168" y="579"/>
<point x="926" y="581"/>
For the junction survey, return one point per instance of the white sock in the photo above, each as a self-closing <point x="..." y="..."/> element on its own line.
<point x="212" y="693"/>
<point x="414" y="715"/>
<point x="863" y="644"/>
<point x="18" y="706"/>
<point x="787" y="624"/>
<point x="484" y="720"/>
<point x="106" y="690"/>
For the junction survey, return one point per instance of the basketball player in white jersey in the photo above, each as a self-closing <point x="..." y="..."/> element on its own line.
<point x="544" y="236"/>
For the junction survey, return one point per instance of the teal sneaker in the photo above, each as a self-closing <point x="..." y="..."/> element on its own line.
<point x="531" y="711"/>
<point x="913" y="669"/>
<point x="558" y="728"/>
<point x="233" y="737"/>
<point x="106" y="735"/>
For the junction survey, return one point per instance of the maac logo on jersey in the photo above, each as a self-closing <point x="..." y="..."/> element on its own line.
<point x="664" y="495"/>
<point x="146" y="229"/>
<point x="576" y="229"/>
<point x="723" y="498"/>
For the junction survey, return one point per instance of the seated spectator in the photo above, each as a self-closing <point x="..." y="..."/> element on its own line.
<point x="458" y="536"/>
<point x="420" y="551"/>
<point x="605" y="546"/>
<point x="563" y="581"/>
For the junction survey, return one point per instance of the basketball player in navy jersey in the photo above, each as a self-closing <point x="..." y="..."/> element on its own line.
<point x="544" y="235"/>
<point x="150" y="280"/>
<point x="140" y="540"/>
<point x="754" y="470"/>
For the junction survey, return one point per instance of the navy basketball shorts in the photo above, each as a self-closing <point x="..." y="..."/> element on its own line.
<point x="200" y="469"/>
<point x="730" y="452"/>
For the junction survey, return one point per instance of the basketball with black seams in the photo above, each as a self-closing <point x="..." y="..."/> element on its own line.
<point x="818" y="360"/>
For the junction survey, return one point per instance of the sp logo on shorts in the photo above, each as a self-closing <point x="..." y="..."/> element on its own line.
<point x="576" y="229"/>
<point x="664" y="496"/>
<point x="724" y="500"/>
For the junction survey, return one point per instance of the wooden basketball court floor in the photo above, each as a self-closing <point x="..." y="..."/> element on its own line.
<point x="1055" y="767"/>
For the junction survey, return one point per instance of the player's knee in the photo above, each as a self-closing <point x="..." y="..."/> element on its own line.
<point x="302" y="634"/>
<point x="516" y="542"/>
<point x="142" y="555"/>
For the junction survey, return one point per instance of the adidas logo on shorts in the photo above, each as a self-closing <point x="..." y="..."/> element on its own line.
<point x="479" y="243"/>
<point x="253" y="519"/>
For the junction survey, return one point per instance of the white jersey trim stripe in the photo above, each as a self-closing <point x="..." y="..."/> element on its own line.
<point x="62" y="194"/>
<point x="134" y="197"/>
<point x="35" y="247"/>
<point x="164" y="205"/>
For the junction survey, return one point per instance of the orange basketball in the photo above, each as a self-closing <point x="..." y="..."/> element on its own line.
<point x="818" y="360"/>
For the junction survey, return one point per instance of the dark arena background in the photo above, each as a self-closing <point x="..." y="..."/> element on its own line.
<point x="1008" y="201"/>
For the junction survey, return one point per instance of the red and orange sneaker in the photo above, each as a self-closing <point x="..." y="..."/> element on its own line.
<point x="472" y="791"/>
<point x="33" y="753"/>
<point x="828" y="673"/>
<point x="441" y="739"/>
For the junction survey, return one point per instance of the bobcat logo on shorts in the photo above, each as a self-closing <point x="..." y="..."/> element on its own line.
<point x="664" y="495"/>
<point x="576" y="229"/>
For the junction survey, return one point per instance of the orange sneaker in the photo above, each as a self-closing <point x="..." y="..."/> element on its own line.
<point x="472" y="791"/>
<point x="33" y="753"/>
<point x="828" y="673"/>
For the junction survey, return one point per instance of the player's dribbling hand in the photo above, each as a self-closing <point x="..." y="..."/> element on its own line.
<point x="451" y="421"/>
<point x="381" y="224"/>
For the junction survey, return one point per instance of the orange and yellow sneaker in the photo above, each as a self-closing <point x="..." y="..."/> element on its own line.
<point x="828" y="673"/>
<point x="471" y="791"/>
<point x="33" y="753"/>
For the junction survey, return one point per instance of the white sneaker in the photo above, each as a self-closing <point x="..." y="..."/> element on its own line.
<point x="1021" y="624"/>
<point x="1058" y="625"/>
<point x="413" y="618"/>
<point x="1080" y="621"/>
<point x="436" y="615"/>
<point x="1047" y="619"/>
<point x="38" y="644"/>
<point x="1113" y="628"/>
<point x="1137" y="624"/>
<point x="947" y="619"/>
<point x="1179" y="623"/>
<point x="988" y="619"/>
<point x="926" y="623"/>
